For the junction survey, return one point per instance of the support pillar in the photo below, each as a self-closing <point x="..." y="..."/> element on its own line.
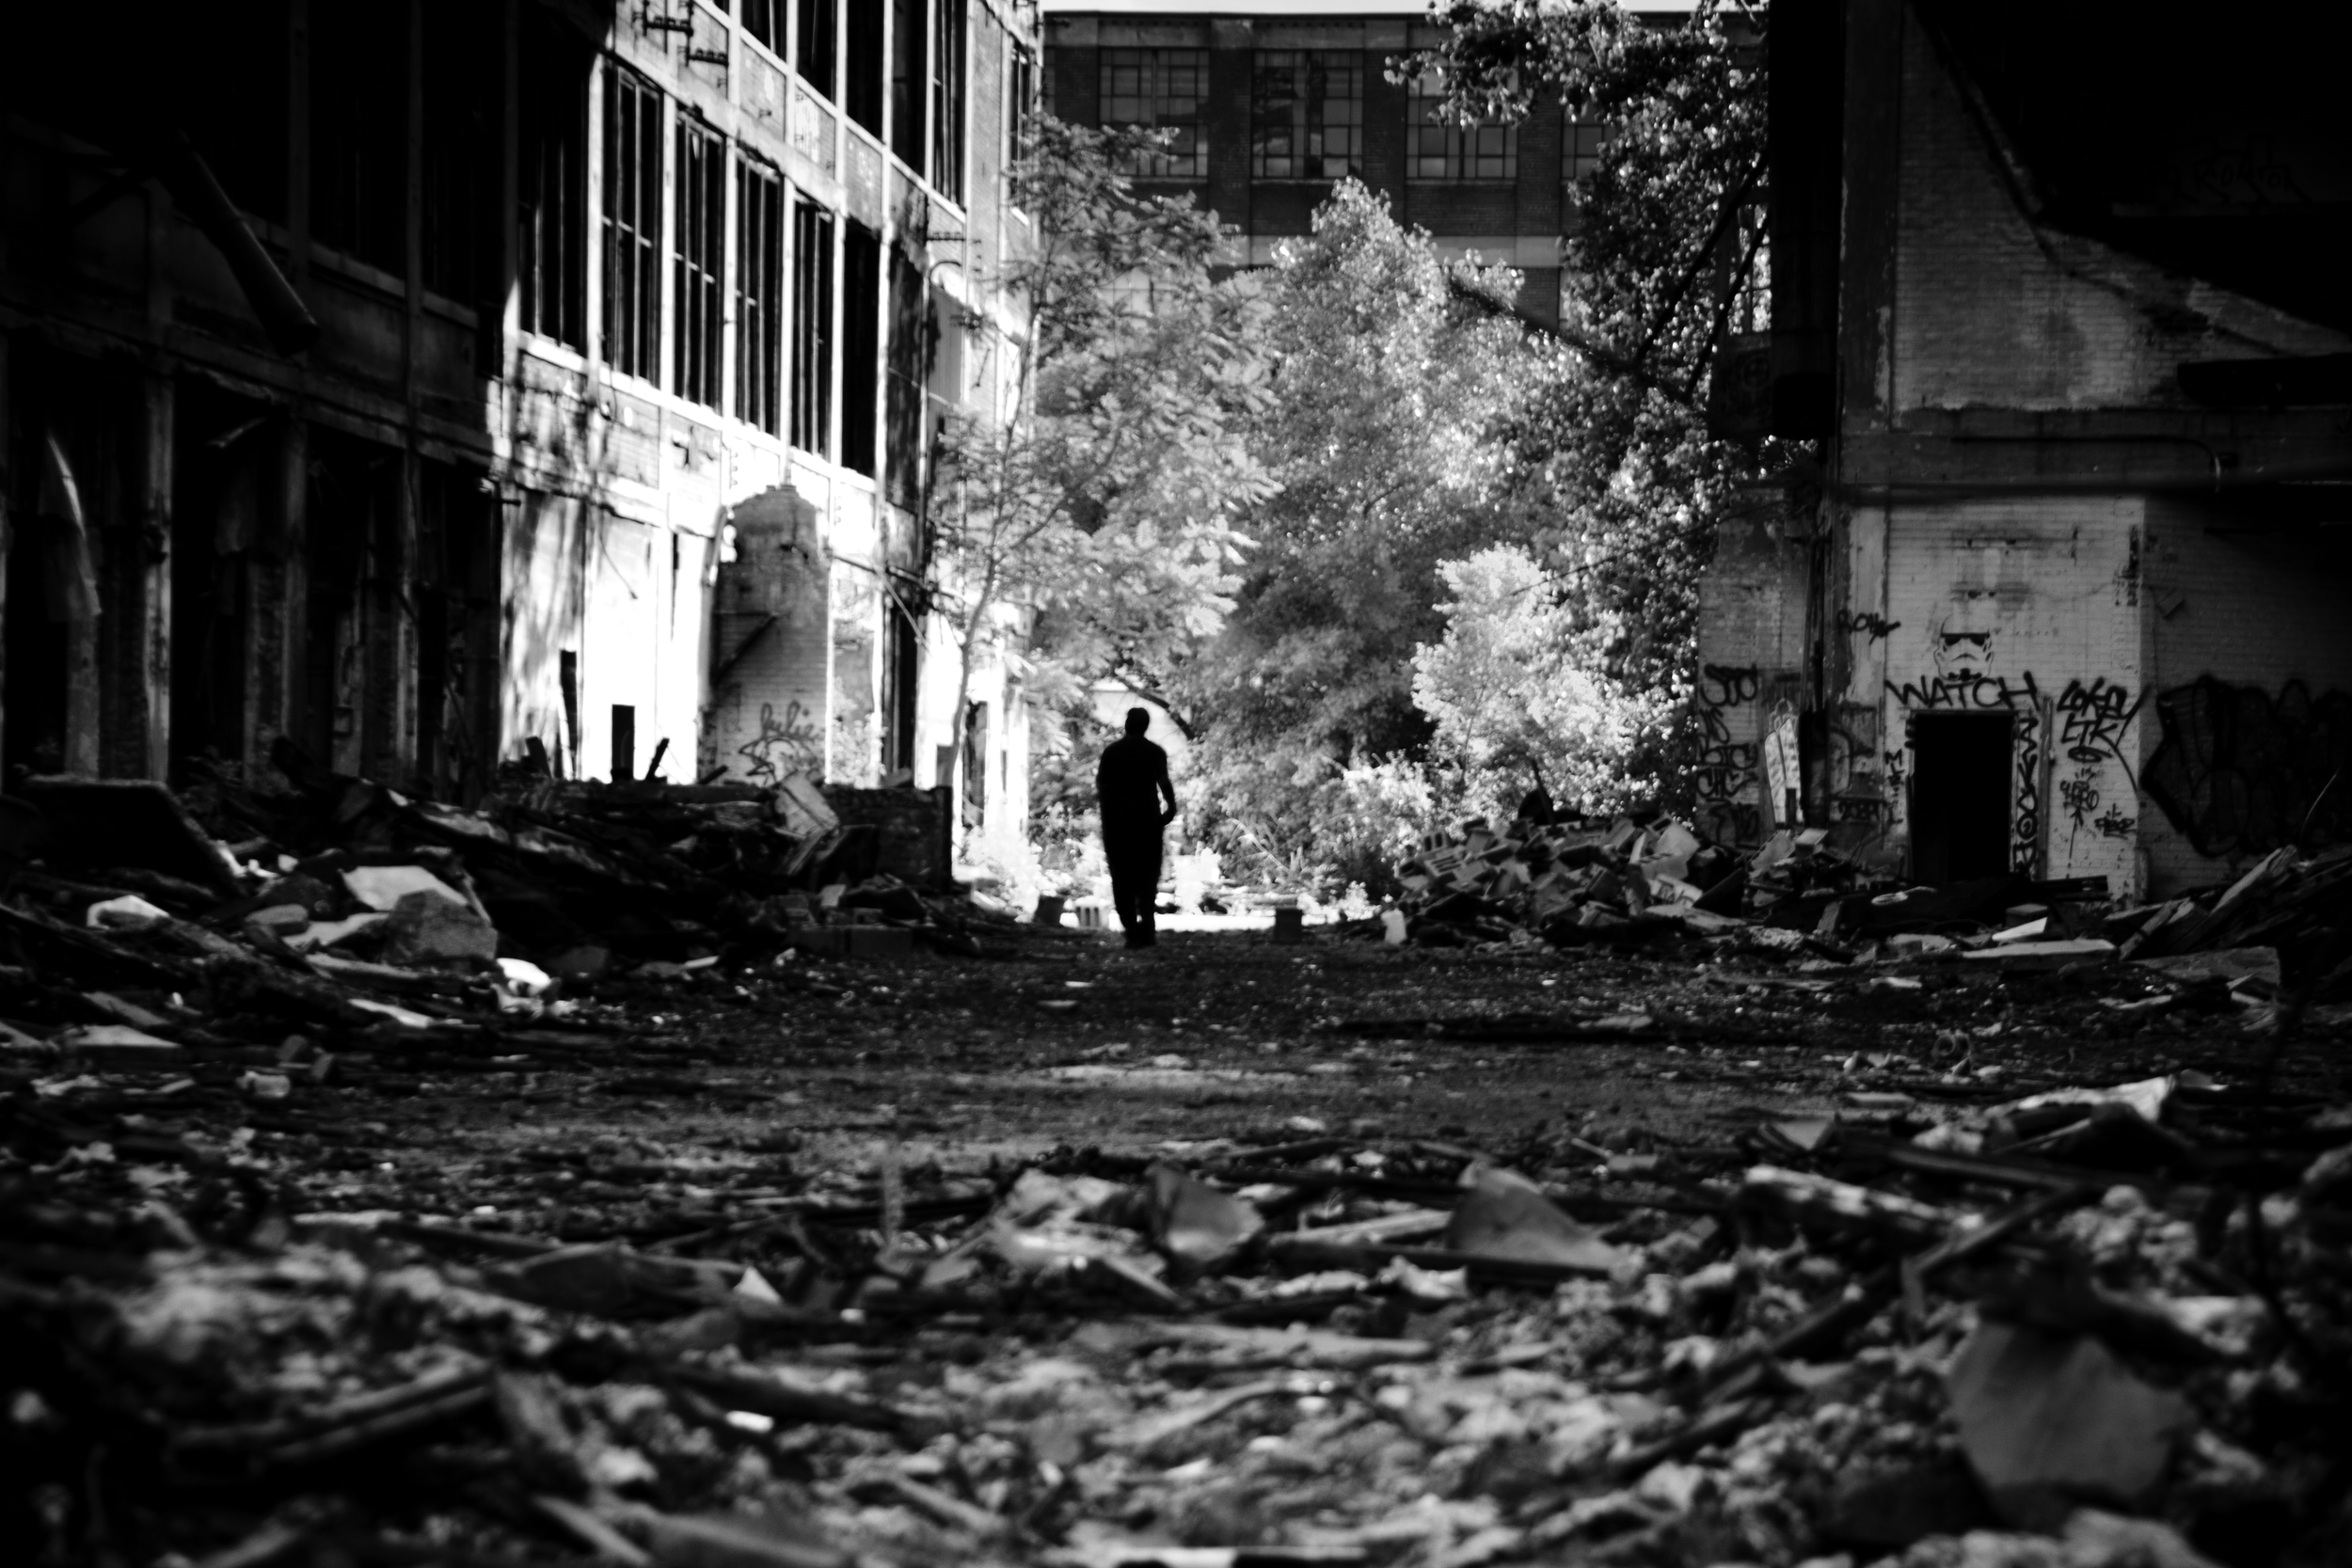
<point x="158" y="406"/>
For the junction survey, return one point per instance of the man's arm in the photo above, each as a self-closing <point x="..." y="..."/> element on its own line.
<point x="1166" y="789"/>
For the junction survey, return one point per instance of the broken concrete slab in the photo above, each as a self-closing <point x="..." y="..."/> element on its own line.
<point x="2229" y="964"/>
<point x="382" y="887"/>
<point x="427" y="928"/>
<point x="133" y="822"/>
<point x="2050" y="1421"/>
<point x="119" y="1045"/>
<point x="2033" y="956"/>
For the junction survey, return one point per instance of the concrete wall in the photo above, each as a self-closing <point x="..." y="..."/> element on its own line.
<point x="2015" y="523"/>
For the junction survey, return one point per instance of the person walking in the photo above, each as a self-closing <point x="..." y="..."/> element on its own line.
<point x="1128" y="789"/>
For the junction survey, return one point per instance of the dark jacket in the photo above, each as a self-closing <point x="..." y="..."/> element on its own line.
<point x="1131" y="784"/>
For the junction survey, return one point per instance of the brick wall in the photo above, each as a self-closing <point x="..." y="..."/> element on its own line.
<point x="1987" y="314"/>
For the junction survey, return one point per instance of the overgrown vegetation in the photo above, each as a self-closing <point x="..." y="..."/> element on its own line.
<point x="1476" y="547"/>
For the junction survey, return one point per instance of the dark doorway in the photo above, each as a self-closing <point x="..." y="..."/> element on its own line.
<point x="1960" y="795"/>
<point x="901" y="673"/>
<point x="221" y="475"/>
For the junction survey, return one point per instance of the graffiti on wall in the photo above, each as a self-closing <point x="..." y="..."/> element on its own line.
<point x="1871" y="626"/>
<point x="1981" y="691"/>
<point x="783" y="746"/>
<point x="2092" y="720"/>
<point x="2240" y="772"/>
<point x="1723" y="770"/>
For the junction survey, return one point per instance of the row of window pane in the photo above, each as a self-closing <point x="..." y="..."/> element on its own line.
<point x="1307" y="119"/>
<point x="1160" y="89"/>
<point x="1306" y="114"/>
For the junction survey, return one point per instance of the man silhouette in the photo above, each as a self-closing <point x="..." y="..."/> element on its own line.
<point x="1129" y="787"/>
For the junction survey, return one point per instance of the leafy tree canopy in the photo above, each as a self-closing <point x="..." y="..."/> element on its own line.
<point x="1395" y="383"/>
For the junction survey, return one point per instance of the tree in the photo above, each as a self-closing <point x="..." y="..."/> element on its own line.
<point x="1668" y="243"/>
<point x="1515" y="688"/>
<point x="1396" y="381"/>
<point x="1090" y="518"/>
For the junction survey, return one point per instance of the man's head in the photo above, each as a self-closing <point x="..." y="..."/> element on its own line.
<point x="1138" y="720"/>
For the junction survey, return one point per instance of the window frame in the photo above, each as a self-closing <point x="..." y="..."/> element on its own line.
<point x="631" y="314"/>
<point x="1157" y="70"/>
<point x="814" y="229"/>
<point x="1299" y="126"/>
<point x="698" y="263"/>
<point x="950" y="96"/>
<point x="759" y="286"/>
<point x="1463" y="158"/>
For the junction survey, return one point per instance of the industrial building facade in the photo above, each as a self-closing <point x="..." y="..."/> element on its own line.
<point x="1263" y="103"/>
<point x="2066" y="330"/>
<point x="441" y="383"/>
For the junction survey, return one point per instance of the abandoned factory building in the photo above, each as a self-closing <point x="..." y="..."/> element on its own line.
<point x="1262" y="104"/>
<point x="436" y="381"/>
<point x="2060" y="308"/>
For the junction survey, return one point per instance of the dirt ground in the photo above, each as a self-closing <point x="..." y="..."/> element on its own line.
<point x="1068" y="1039"/>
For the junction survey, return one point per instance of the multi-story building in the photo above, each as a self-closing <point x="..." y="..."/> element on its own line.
<point x="436" y="381"/>
<point x="1263" y="103"/>
<point x="2066" y="327"/>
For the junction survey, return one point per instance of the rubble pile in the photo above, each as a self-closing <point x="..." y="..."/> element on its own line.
<point x="2288" y="917"/>
<point x="366" y="920"/>
<point x="2090" y="1327"/>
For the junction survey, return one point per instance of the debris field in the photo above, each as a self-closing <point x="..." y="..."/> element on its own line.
<point x="602" y="1200"/>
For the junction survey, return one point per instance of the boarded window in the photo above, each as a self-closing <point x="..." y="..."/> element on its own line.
<point x="632" y="224"/>
<point x="552" y="184"/>
<point x="758" y="298"/>
<point x="812" y="328"/>
<point x="696" y="249"/>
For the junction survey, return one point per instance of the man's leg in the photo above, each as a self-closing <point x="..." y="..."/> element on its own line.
<point x="1117" y="850"/>
<point x="1147" y="875"/>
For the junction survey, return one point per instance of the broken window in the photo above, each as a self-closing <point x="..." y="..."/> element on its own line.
<point x="909" y="24"/>
<point x="359" y="132"/>
<point x="760" y="20"/>
<point x="901" y="678"/>
<point x="862" y="80"/>
<point x="812" y="328"/>
<point x="1163" y="90"/>
<point x="632" y="224"/>
<point x="1437" y="148"/>
<point x="909" y="363"/>
<point x="552" y="184"/>
<point x="699" y="243"/>
<point x="1019" y="101"/>
<point x="758" y="297"/>
<point x="231" y="76"/>
<point x="818" y="19"/>
<point x="861" y="344"/>
<point x="947" y="47"/>
<point x="1306" y="114"/>
<point x="462" y="136"/>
